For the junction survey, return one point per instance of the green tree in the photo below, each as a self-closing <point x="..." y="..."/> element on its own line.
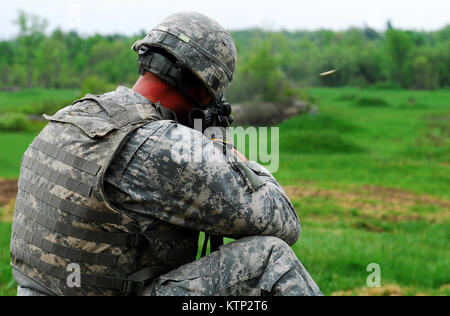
<point x="52" y="69"/>
<point x="31" y="33"/>
<point x="424" y="74"/>
<point x="268" y="64"/>
<point x="399" y="46"/>
<point x="260" y="76"/>
<point x="6" y="61"/>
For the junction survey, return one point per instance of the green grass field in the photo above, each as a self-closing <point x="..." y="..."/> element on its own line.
<point x="14" y="146"/>
<point x="33" y="100"/>
<point x="370" y="179"/>
<point x="7" y="283"/>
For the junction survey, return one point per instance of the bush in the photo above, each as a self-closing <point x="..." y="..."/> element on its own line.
<point x="95" y="85"/>
<point x="14" y="122"/>
<point x="325" y="142"/>
<point x="425" y="76"/>
<point x="321" y="122"/>
<point x="267" y="114"/>
<point x="49" y="107"/>
<point x="386" y="85"/>
<point x="260" y="78"/>
<point x="372" y="101"/>
<point x="346" y="97"/>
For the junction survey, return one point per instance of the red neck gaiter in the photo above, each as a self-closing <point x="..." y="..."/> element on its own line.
<point x="157" y="90"/>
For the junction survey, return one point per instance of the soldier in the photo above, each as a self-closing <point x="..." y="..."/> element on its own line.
<point x="105" y="207"/>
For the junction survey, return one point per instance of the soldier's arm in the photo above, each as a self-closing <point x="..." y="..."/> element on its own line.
<point x="221" y="198"/>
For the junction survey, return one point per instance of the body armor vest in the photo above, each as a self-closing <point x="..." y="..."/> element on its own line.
<point x="63" y="220"/>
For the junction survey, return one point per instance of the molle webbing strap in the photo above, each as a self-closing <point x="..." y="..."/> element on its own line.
<point x="71" y="231"/>
<point x="120" y="115"/>
<point x="71" y="254"/>
<point x="57" y="177"/>
<point x="61" y="273"/>
<point x="129" y="285"/>
<point x="67" y="158"/>
<point x="68" y="207"/>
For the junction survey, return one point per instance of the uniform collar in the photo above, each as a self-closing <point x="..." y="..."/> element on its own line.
<point x="138" y="98"/>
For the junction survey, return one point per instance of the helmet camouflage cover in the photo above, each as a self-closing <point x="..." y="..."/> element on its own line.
<point x="200" y="44"/>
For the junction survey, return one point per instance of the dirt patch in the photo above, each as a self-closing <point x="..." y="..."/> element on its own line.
<point x="8" y="191"/>
<point x="7" y="212"/>
<point x="378" y="202"/>
<point x="388" y="290"/>
<point x="396" y="195"/>
<point x="392" y="290"/>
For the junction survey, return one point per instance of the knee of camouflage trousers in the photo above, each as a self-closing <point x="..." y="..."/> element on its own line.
<point x="251" y="266"/>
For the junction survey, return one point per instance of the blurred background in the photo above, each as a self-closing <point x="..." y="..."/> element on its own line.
<point x="364" y="150"/>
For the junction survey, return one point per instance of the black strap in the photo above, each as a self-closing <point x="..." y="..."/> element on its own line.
<point x="205" y="245"/>
<point x="71" y="254"/>
<point x="67" y="158"/>
<point x="216" y="243"/>
<point x="51" y="224"/>
<point x="137" y="281"/>
<point x="56" y="177"/>
<point x="167" y="235"/>
<point x="173" y="255"/>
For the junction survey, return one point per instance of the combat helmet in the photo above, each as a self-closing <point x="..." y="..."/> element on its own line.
<point x="189" y="41"/>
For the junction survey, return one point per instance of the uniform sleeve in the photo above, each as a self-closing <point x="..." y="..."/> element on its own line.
<point x="197" y="188"/>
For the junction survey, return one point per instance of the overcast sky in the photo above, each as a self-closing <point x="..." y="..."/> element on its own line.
<point x="131" y="16"/>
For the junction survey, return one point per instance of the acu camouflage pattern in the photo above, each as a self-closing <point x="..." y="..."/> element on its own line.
<point x="210" y="195"/>
<point x="252" y="266"/>
<point x="83" y="130"/>
<point x="200" y="44"/>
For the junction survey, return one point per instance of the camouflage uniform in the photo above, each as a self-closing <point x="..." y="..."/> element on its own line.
<point x="159" y="193"/>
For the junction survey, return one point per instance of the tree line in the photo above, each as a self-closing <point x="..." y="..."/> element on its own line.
<point x="270" y="63"/>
